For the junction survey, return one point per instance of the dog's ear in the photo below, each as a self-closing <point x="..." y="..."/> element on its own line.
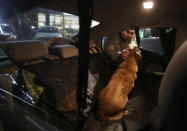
<point x="137" y="52"/>
<point x="138" y="56"/>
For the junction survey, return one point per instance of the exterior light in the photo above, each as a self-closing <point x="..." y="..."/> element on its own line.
<point x="148" y="4"/>
<point x="33" y="27"/>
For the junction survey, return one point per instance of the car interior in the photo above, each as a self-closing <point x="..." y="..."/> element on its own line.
<point x="44" y="83"/>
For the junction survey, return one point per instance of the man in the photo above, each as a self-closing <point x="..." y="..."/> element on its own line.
<point x="116" y="46"/>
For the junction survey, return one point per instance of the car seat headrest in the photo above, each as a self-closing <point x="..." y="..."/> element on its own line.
<point x="64" y="51"/>
<point x="21" y="51"/>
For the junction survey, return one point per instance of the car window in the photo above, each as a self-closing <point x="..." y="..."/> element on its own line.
<point x="157" y="45"/>
<point x="28" y="23"/>
<point x="150" y="40"/>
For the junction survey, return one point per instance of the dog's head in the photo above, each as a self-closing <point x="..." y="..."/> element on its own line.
<point x="136" y="53"/>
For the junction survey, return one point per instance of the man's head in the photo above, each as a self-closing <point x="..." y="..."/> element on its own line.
<point x="127" y="35"/>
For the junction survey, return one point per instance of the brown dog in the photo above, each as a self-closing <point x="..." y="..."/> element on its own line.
<point x="113" y="98"/>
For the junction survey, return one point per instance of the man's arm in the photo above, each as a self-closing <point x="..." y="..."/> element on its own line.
<point x="110" y="50"/>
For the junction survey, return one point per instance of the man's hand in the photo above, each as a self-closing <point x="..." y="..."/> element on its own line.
<point x="125" y="54"/>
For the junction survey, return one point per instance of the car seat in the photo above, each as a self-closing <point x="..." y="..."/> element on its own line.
<point x="173" y="93"/>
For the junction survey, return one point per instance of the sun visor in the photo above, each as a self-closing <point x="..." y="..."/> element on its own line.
<point x="21" y="51"/>
<point x="64" y="51"/>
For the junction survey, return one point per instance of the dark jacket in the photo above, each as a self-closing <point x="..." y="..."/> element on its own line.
<point x="114" y="44"/>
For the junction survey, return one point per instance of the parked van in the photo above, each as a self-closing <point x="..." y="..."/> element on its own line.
<point x="46" y="32"/>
